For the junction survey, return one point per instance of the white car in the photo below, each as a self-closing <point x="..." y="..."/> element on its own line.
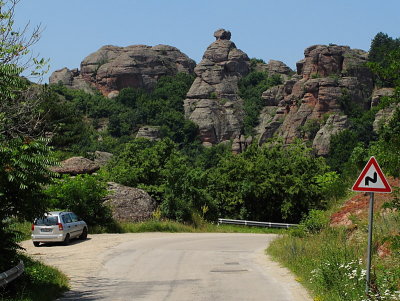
<point x="58" y="226"/>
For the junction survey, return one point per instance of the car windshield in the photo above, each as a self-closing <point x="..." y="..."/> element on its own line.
<point x="47" y="221"/>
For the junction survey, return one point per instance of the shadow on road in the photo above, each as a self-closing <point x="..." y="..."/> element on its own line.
<point x="60" y="244"/>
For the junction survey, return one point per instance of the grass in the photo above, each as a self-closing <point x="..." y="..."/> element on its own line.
<point x="154" y="225"/>
<point x="38" y="282"/>
<point x="172" y="226"/>
<point x="331" y="262"/>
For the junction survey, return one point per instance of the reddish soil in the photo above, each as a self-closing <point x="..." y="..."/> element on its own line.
<point x="358" y="205"/>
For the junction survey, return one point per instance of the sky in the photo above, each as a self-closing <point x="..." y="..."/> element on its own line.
<point x="264" y="29"/>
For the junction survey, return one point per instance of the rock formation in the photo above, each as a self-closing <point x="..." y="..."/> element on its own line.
<point x="76" y="165"/>
<point x="328" y="78"/>
<point x="383" y="116"/>
<point x="212" y="101"/>
<point x="149" y="132"/>
<point x="102" y="158"/>
<point x="112" y="68"/>
<point x="129" y="204"/>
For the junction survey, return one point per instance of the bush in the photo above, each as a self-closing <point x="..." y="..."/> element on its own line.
<point x="83" y="195"/>
<point x="315" y="221"/>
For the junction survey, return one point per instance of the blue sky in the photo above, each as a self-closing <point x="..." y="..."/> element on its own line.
<point x="263" y="29"/>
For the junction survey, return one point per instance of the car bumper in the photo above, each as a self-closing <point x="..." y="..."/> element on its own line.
<point x="48" y="238"/>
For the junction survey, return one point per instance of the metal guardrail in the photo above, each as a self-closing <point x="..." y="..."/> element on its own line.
<point x="11" y="274"/>
<point x="257" y="224"/>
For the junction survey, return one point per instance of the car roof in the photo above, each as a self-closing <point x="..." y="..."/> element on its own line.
<point x="57" y="212"/>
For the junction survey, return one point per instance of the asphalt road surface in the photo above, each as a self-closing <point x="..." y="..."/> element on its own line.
<point x="171" y="267"/>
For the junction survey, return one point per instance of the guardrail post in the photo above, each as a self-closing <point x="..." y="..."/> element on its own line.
<point x="11" y="274"/>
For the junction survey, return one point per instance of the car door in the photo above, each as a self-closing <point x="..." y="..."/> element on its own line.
<point x="77" y="225"/>
<point x="69" y="225"/>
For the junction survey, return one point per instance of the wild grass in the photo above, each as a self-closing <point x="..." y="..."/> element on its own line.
<point x="155" y="225"/>
<point x="331" y="263"/>
<point x="38" y="282"/>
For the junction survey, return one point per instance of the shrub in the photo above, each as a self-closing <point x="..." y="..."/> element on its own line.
<point x="83" y="195"/>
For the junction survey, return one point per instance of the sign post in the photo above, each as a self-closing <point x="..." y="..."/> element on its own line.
<point x="371" y="180"/>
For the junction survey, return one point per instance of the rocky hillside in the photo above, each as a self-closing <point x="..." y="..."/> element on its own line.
<point x="312" y="103"/>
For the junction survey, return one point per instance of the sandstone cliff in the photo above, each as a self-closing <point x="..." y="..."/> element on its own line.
<point x="310" y="104"/>
<point x="112" y="68"/>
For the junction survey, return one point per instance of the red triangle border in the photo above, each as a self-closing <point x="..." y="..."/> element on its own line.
<point x="372" y="161"/>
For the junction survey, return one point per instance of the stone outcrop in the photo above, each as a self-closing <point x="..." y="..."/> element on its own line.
<point x="334" y="125"/>
<point x="149" y="132"/>
<point x="75" y="166"/>
<point x="113" y="68"/>
<point x="212" y="101"/>
<point x="102" y="158"/>
<point x="129" y="204"/>
<point x="240" y="144"/>
<point x="328" y="79"/>
<point x="379" y="93"/>
<point x="384" y="116"/>
<point x="274" y="67"/>
<point x="70" y="78"/>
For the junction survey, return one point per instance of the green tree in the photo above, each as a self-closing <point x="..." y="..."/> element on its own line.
<point x="83" y="195"/>
<point x="274" y="182"/>
<point x="24" y="170"/>
<point x="384" y="60"/>
<point x="24" y="161"/>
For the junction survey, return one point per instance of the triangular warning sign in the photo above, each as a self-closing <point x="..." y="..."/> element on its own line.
<point x="372" y="179"/>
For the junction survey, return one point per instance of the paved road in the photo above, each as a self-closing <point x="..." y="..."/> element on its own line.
<point x="174" y="267"/>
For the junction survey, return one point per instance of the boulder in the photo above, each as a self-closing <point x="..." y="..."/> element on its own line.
<point x="212" y="101"/>
<point x="102" y="158"/>
<point x="149" y="132"/>
<point x="129" y="204"/>
<point x="76" y="165"/>
<point x="113" y="68"/>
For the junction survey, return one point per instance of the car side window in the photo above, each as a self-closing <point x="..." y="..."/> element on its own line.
<point x="66" y="218"/>
<point x="74" y="218"/>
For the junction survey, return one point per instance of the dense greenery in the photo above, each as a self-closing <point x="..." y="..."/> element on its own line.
<point x="250" y="89"/>
<point x="24" y="158"/>
<point x="83" y="195"/>
<point x="384" y="60"/>
<point x="77" y="118"/>
<point x="273" y="182"/>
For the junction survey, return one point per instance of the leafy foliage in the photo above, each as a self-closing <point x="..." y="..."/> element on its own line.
<point x="384" y="60"/>
<point x="250" y="89"/>
<point x="274" y="182"/>
<point x="269" y="183"/>
<point x="24" y="170"/>
<point x="83" y="195"/>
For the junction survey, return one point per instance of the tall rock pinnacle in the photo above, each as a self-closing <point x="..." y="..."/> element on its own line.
<point x="212" y="101"/>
